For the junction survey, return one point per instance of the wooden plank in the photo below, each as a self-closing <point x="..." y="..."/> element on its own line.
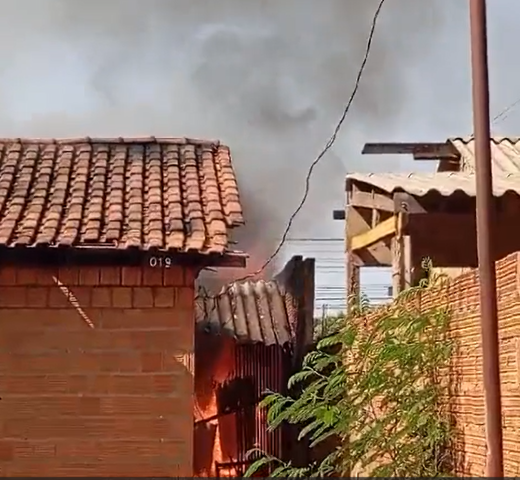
<point x="371" y="200"/>
<point x="376" y="217"/>
<point x="384" y="229"/>
<point x="375" y="255"/>
<point x="448" y="239"/>
<point x="420" y="150"/>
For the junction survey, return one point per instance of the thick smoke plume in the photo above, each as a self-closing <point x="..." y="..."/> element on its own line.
<point x="269" y="78"/>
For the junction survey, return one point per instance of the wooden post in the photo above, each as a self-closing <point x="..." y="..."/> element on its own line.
<point x="353" y="225"/>
<point x="408" y="268"/>
<point x="353" y="279"/>
<point x="397" y="257"/>
<point x="307" y="333"/>
<point x="396" y="267"/>
<point x="404" y="273"/>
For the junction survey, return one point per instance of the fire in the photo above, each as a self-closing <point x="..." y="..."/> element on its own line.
<point x="214" y="436"/>
<point x="214" y="281"/>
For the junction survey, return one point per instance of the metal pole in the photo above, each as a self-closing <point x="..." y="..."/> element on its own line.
<point x="485" y="246"/>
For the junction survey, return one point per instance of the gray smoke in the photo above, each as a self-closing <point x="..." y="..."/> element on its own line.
<point x="269" y="78"/>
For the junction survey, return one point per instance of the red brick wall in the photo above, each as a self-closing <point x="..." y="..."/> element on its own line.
<point x="102" y="389"/>
<point x="462" y="295"/>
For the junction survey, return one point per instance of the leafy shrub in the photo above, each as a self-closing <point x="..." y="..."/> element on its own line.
<point x="376" y="387"/>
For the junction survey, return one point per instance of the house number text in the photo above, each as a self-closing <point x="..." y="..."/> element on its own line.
<point x="160" y="262"/>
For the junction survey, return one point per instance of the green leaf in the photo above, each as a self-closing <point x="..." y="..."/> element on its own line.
<point x="299" y="377"/>
<point x="370" y="390"/>
<point x="258" y="464"/>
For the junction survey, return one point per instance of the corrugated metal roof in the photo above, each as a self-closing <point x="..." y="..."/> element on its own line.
<point x="251" y="312"/>
<point x="445" y="183"/>
<point x="505" y="153"/>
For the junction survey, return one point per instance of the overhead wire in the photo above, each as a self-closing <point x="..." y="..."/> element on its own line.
<point x="503" y="114"/>
<point x="327" y="147"/>
<point x="285" y="237"/>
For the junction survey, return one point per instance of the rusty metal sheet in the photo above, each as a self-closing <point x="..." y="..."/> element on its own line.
<point x="251" y="312"/>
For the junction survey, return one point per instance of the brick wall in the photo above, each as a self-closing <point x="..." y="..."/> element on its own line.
<point x="95" y="372"/>
<point x="462" y="294"/>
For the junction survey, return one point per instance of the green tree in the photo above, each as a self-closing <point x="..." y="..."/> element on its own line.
<point x="376" y="388"/>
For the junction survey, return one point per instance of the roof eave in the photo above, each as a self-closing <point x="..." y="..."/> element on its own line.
<point x="112" y="256"/>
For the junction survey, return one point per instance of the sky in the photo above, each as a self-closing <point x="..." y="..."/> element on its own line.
<point x="268" y="78"/>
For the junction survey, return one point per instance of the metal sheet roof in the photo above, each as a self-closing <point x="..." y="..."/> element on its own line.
<point x="251" y="312"/>
<point x="445" y="183"/>
<point x="505" y="154"/>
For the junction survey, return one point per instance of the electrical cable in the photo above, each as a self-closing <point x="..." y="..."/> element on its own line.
<point x="503" y="114"/>
<point x="327" y="147"/>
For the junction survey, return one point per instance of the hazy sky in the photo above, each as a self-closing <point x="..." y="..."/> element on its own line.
<point x="269" y="78"/>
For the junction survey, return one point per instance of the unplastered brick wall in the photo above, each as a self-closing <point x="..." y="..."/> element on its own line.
<point x="467" y="402"/>
<point x="95" y="371"/>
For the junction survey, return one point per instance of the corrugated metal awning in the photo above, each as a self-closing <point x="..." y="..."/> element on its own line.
<point x="505" y="154"/>
<point x="250" y="312"/>
<point x="444" y="183"/>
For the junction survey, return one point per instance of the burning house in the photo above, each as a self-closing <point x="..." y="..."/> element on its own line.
<point x="249" y="339"/>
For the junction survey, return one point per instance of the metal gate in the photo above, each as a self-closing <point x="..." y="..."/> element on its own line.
<point x="258" y="368"/>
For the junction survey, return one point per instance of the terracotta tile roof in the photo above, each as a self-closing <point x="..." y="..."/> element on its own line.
<point x="162" y="193"/>
<point x="251" y="312"/>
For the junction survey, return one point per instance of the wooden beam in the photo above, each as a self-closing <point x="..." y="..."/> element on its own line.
<point x="420" y="151"/>
<point x="384" y="229"/>
<point x="371" y="200"/>
<point x="355" y="224"/>
<point x="358" y="223"/>
<point x="398" y="257"/>
<point x="378" y="254"/>
<point x="406" y="203"/>
<point x="396" y="267"/>
<point x="448" y="165"/>
<point x="408" y="266"/>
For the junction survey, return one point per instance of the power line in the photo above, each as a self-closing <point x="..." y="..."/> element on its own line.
<point x="503" y="114"/>
<point x="328" y="145"/>
<point x="315" y="239"/>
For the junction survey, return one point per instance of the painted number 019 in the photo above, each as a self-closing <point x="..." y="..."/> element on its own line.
<point x="161" y="262"/>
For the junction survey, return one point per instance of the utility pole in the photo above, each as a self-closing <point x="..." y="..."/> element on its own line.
<point x="485" y="244"/>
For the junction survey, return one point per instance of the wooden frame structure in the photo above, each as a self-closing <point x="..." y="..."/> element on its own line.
<point x="396" y="229"/>
<point x="376" y="235"/>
